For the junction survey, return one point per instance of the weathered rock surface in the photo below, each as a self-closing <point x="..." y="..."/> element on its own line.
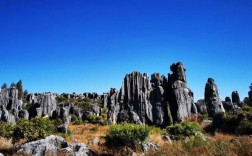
<point x="180" y="96"/>
<point x="150" y="101"/>
<point x="9" y="105"/>
<point x="212" y="99"/>
<point x="235" y="97"/>
<point x="228" y="105"/>
<point x="54" y="145"/>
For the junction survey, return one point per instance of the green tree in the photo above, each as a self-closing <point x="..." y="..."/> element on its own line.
<point x="12" y="85"/>
<point x="4" y="86"/>
<point x="19" y="87"/>
<point x="246" y="100"/>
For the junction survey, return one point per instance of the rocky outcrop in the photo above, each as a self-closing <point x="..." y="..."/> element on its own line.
<point x="180" y="96"/>
<point x="212" y="99"/>
<point x="54" y="145"/>
<point x="201" y="106"/>
<point x="9" y="104"/>
<point x="42" y="104"/>
<point x="235" y="97"/>
<point x="228" y="105"/>
<point x="150" y="101"/>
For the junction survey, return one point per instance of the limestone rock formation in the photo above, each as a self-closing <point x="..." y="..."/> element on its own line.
<point x="212" y="99"/>
<point x="54" y="145"/>
<point x="228" y="105"/>
<point x="235" y="97"/>
<point x="180" y="96"/>
<point x="150" y="101"/>
<point x="42" y="104"/>
<point x="9" y="104"/>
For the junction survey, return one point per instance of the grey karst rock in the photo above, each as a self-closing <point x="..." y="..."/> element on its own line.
<point x="145" y="101"/>
<point x="76" y="111"/>
<point x="228" y="105"/>
<point x="201" y="106"/>
<point x="235" y="97"/>
<point x="23" y="114"/>
<point x="158" y="99"/>
<point x="62" y="128"/>
<point x="9" y="99"/>
<point x="96" y="109"/>
<point x="104" y="98"/>
<point x="53" y="145"/>
<point x="180" y="96"/>
<point x="212" y="100"/>
<point x="6" y="116"/>
<point x="135" y="94"/>
<point x="47" y="103"/>
<point x="31" y="98"/>
<point x="149" y="146"/>
<point x="113" y="105"/>
<point x="43" y="104"/>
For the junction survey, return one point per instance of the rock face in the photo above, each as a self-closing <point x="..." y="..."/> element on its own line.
<point x="9" y="105"/>
<point x="150" y="101"/>
<point x="42" y="104"/>
<point x="228" y="105"/>
<point x="212" y="100"/>
<point x="180" y="97"/>
<point x="235" y="97"/>
<point x="54" y="145"/>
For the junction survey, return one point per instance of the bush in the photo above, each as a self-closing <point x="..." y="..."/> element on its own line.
<point x="57" y="122"/>
<point x="74" y="118"/>
<point x="6" y="130"/>
<point x="244" y="127"/>
<point x="185" y="128"/>
<point x="36" y="128"/>
<point x="126" y="134"/>
<point x="247" y="109"/>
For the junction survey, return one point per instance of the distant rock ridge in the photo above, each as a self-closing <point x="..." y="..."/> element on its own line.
<point x="157" y="101"/>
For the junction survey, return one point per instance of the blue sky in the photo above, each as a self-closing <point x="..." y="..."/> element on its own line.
<point x="86" y="46"/>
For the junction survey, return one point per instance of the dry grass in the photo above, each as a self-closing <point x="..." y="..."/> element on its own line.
<point x="86" y="133"/>
<point x="223" y="137"/>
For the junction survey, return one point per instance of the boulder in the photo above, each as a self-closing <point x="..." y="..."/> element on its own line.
<point x="212" y="99"/>
<point x="53" y="145"/>
<point x="149" y="146"/>
<point x="228" y="105"/>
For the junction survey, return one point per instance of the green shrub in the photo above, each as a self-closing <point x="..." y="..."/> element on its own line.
<point x="61" y="99"/>
<point x="185" y="128"/>
<point x="126" y="134"/>
<point x="85" y="106"/>
<point x="247" y="109"/>
<point x="193" y="142"/>
<point x="34" y="129"/>
<point x="78" y="122"/>
<point x="6" y="129"/>
<point x="74" y="118"/>
<point x="57" y="122"/>
<point x="157" y="130"/>
<point x="244" y="127"/>
<point x="91" y="118"/>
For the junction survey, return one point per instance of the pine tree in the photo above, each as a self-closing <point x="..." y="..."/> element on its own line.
<point x="19" y="87"/>
<point x="4" y="86"/>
